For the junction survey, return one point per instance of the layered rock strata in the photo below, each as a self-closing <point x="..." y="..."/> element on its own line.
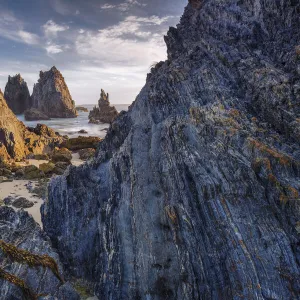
<point x="194" y="193"/>
<point x="29" y="267"/>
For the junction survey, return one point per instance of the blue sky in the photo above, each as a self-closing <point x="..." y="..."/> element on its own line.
<point x="95" y="44"/>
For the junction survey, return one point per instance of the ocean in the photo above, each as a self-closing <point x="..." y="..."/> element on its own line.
<point x="71" y="127"/>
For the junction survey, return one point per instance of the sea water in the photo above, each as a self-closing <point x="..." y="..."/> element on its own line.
<point x="71" y="127"/>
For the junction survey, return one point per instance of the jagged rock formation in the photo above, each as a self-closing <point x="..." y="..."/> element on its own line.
<point x="17" y="94"/>
<point x="194" y="193"/>
<point x="22" y="274"/>
<point x="52" y="97"/>
<point x="17" y="141"/>
<point x="104" y="113"/>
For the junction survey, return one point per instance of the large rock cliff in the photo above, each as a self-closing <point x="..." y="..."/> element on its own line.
<point x="194" y="193"/>
<point x="52" y="97"/>
<point x="17" y="94"/>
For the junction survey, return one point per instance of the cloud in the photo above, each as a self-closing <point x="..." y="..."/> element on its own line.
<point x="125" y="6"/>
<point x="107" y="6"/>
<point x="134" y="41"/>
<point x="53" y="49"/>
<point x="28" y="38"/>
<point x="51" y="28"/>
<point x="13" y="29"/>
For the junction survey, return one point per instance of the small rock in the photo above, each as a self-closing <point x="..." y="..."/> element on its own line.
<point x="47" y="168"/>
<point x="62" y="155"/>
<point x="8" y="200"/>
<point x="35" y="115"/>
<point x="86" y="154"/>
<point x="22" y="203"/>
<point x="82" y="131"/>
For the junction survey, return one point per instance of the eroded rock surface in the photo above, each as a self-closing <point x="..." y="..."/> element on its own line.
<point x="51" y="95"/>
<point x="194" y="193"/>
<point x="18" y="229"/>
<point x="17" y="94"/>
<point x="104" y="113"/>
<point x="17" y="141"/>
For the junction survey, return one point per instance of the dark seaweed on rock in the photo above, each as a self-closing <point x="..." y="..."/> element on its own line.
<point x="194" y="193"/>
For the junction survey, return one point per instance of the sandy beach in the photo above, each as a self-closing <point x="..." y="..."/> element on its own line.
<point x="19" y="188"/>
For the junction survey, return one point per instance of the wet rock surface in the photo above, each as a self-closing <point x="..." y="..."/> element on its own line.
<point x="22" y="202"/>
<point x="82" y="142"/>
<point x="194" y="193"/>
<point x="34" y="114"/>
<point x="51" y="96"/>
<point x="104" y="112"/>
<point x="18" y="232"/>
<point x="17" y="94"/>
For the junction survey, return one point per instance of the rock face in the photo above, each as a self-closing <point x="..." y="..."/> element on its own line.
<point x="51" y="96"/>
<point x="17" y="94"/>
<point x="194" y="193"/>
<point x="18" y="229"/>
<point x="17" y="141"/>
<point x="34" y="114"/>
<point x="104" y="113"/>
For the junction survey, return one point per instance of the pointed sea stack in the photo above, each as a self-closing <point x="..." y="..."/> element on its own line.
<point x="104" y="113"/>
<point x="17" y="94"/>
<point x="51" y="96"/>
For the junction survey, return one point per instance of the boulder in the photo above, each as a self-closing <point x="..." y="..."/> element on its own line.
<point x="47" y="168"/>
<point x="62" y="155"/>
<point x="51" y="95"/>
<point x="87" y="153"/>
<point x="82" y="142"/>
<point x="34" y="114"/>
<point x="17" y="94"/>
<point x="104" y="113"/>
<point x="22" y="202"/>
<point x="33" y="172"/>
<point x="82" y="131"/>
<point x="60" y="168"/>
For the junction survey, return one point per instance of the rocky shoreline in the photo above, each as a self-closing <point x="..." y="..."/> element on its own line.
<point x="193" y="194"/>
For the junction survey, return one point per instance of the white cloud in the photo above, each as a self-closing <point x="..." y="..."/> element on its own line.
<point x="51" y="28"/>
<point x="107" y="6"/>
<point x="28" y="38"/>
<point x="53" y="49"/>
<point x="125" y="6"/>
<point x="13" y="29"/>
<point x="128" y="43"/>
<point x="81" y="31"/>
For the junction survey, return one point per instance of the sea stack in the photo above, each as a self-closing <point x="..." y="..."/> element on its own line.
<point x="51" y="95"/>
<point x="104" y="113"/>
<point x="17" y="94"/>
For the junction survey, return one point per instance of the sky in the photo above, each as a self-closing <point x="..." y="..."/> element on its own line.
<point x="109" y="44"/>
